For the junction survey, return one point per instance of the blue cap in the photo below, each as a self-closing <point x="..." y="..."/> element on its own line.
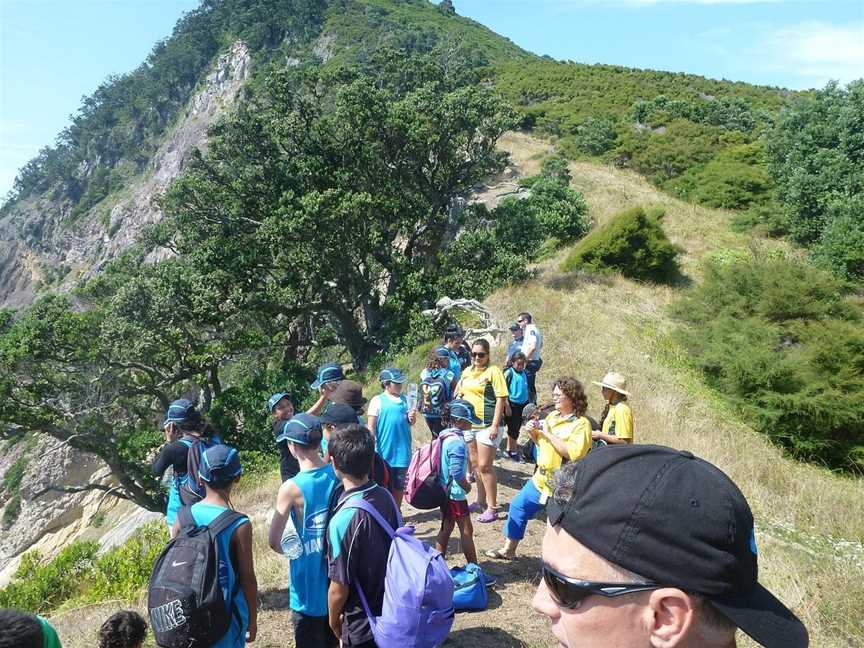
<point x="442" y="352"/>
<point x="304" y="429"/>
<point x="462" y="409"/>
<point x="220" y="463"/>
<point x="330" y="372"/>
<point x="275" y="398"/>
<point x="179" y="411"/>
<point x="391" y="374"/>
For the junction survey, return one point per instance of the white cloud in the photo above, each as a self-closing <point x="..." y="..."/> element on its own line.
<point x="815" y="51"/>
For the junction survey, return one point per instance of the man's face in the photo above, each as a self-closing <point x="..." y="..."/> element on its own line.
<point x="597" y="621"/>
<point x="284" y="410"/>
<point x="522" y="322"/>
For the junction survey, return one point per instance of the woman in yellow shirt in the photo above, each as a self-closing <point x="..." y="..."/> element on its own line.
<point x="565" y="435"/>
<point x="616" y="423"/>
<point x="483" y="385"/>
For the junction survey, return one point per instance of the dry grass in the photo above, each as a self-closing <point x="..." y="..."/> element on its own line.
<point x="810" y="523"/>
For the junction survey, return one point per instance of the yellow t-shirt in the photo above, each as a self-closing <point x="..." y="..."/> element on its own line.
<point x="573" y="430"/>
<point x="619" y="421"/>
<point x="481" y="388"/>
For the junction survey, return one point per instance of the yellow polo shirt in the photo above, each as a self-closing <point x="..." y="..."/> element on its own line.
<point x="481" y="388"/>
<point x="573" y="430"/>
<point x="619" y="421"/>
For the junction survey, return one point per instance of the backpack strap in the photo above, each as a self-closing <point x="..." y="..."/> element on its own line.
<point x="187" y="522"/>
<point x="223" y="521"/>
<point x="360" y="503"/>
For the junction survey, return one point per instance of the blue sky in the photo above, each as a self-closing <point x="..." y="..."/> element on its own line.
<point x="52" y="52"/>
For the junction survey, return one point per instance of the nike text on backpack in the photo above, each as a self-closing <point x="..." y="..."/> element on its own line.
<point x="434" y="395"/>
<point x="418" y="591"/>
<point x="423" y="488"/>
<point x="192" y="489"/>
<point x="184" y="598"/>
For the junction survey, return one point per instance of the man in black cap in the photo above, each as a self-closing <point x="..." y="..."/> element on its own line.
<point x="647" y="546"/>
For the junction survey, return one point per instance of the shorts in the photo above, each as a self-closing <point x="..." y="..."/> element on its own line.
<point x="397" y="478"/>
<point x="312" y="631"/>
<point x="482" y="436"/>
<point x="455" y="509"/>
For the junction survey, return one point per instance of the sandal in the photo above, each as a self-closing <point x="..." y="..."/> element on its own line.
<point x="497" y="554"/>
<point x="488" y="515"/>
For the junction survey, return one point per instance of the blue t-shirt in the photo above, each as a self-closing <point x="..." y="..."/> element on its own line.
<point x="454" y="462"/>
<point x="309" y="571"/>
<point x="455" y="365"/>
<point x="204" y="513"/>
<point x="393" y="431"/>
<point x="517" y="385"/>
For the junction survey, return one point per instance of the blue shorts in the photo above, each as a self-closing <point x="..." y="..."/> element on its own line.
<point x="397" y="478"/>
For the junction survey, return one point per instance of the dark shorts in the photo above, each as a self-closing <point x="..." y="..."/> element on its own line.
<point x="455" y="509"/>
<point x="312" y="631"/>
<point x="397" y="478"/>
<point x="514" y="421"/>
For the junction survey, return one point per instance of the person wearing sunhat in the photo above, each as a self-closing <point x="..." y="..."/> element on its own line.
<point x="668" y="560"/>
<point x="350" y="392"/>
<point x="327" y="380"/>
<point x="515" y="345"/>
<point x="390" y="422"/>
<point x="339" y="416"/>
<point x="220" y="471"/>
<point x="281" y="409"/>
<point x="454" y="477"/>
<point x="304" y="499"/>
<point x="616" y="422"/>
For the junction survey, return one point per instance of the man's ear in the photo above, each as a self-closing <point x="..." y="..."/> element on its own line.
<point x="671" y="617"/>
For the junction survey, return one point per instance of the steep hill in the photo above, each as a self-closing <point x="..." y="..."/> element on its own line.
<point x="82" y="201"/>
<point x="809" y="522"/>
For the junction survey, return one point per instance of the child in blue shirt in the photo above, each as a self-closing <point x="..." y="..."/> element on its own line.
<point x="390" y="422"/>
<point x="517" y="386"/>
<point x="454" y="477"/>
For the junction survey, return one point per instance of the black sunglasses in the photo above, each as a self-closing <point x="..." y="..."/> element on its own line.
<point x="570" y="592"/>
<point x="478" y="355"/>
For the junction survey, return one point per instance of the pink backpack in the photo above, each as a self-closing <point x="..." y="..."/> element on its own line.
<point x="423" y="487"/>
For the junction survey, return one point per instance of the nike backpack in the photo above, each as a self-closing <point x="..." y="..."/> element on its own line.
<point x="184" y="598"/>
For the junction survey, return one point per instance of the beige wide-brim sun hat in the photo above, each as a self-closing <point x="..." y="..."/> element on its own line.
<point x="614" y="381"/>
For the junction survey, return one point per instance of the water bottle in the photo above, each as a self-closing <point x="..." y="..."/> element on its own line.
<point x="292" y="546"/>
<point x="412" y="396"/>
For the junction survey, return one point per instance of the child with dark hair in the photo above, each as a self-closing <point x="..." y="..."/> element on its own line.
<point x="357" y="545"/>
<point x="124" y="629"/>
<point x="220" y="471"/>
<point x="517" y="399"/>
<point x="437" y="383"/>
<point x="390" y="421"/>
<point x="19" y="629"/>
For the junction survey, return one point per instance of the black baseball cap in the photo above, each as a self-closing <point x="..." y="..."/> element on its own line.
<point x="339" y="414"/>
<point x="680" y="521"/>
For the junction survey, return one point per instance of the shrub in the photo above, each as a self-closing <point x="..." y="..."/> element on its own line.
<point x="632" y="243"/>
<point x="594" y="136"/>
<point x="40" y="588"/>
<point x="11" y="511"/>
<point x="780" y="341"/>
<point x="841" y="246"/>
<point x="768" y="219"/>
<point x="562" y="211"/>
<point x="735" y="179"/>
<point x="123" y="572"/>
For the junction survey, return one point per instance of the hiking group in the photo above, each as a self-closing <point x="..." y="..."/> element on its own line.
<point x="644" y="545"/>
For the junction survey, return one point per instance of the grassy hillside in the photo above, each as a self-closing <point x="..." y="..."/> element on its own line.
<point x="810" y="523"/>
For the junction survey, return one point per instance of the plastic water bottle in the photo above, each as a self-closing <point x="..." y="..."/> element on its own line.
<point x="292" y="546"/>
<point x="412" y="396"/>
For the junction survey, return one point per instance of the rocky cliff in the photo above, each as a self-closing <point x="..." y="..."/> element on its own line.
<point x="39" y="245"/>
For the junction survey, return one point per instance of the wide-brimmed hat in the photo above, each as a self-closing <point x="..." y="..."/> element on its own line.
<point x="349" y="392"/>
<point x="614" y="381"/>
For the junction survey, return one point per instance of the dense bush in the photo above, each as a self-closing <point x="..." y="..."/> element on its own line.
<point x="840" y="247"/>
<point x="41" y="588"/>
<point x="123" y="572"/>
<point x="632" y="243"/>
<point x="779" y="339"/>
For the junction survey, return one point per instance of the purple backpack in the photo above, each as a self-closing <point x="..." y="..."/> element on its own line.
<point x="423" y="488"/>
<point x="418" y="591"/>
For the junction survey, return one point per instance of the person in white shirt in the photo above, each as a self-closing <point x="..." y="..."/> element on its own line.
<point x="532" y="346"/>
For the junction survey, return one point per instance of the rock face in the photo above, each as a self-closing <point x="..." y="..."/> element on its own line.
<point x="37" y="244"/>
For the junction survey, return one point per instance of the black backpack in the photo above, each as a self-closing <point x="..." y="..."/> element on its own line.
<point x="192" y="489"/>
<point x="184" y="599"/>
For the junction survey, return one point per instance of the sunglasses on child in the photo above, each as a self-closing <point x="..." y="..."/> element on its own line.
<point x="479" y="354"/>
<point x="570" y="592"/>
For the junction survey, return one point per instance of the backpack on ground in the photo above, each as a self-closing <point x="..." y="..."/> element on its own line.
<point x="469" y="588"/>
<point x="192" y="489"/>
<point x="423" y="488"/>
<point x="417" y="611"/>
<point x="434" y="396"/>
<point x="184" y="598"/>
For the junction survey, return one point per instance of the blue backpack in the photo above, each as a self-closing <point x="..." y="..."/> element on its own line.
<point x="434" y="396"/>
<point x="190" y="486"/>
<point x="469" y="588"/>
<point x="418" y="591"/>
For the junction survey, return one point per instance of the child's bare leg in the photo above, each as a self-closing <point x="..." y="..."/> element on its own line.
<point x="466" y="533"/>
<point x="444" y="535"/>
